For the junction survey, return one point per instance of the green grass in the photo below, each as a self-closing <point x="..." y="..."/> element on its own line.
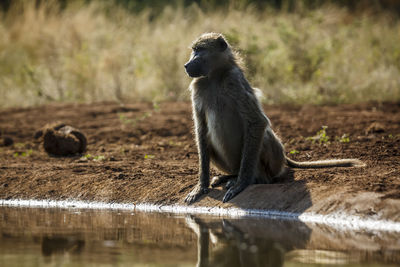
<point x="321" y="137"/>
<point x="93" y="157"/>
<point x="101" y="52"/>
<point x="343" y="139"/>
<point x="26" y="153"/>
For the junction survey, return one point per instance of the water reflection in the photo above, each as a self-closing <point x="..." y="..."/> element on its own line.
<point x="250" y="242"/>
<point x="30" y="236"/>
<point x="61" y="245"/>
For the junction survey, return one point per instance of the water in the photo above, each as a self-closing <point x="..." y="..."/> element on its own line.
<point x="79" y="237"/>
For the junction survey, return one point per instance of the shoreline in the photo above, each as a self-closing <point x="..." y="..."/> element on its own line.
<point x="341" y="221"/>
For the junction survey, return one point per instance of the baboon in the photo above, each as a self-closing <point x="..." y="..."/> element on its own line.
<point x="232" y="130"/>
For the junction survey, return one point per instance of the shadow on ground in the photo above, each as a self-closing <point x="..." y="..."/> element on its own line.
<point x="287" y="194"/>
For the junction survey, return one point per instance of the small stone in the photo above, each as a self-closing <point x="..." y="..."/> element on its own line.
<point x="83" y="160"/>
<point x="375" y="127"/>
<point x="120" y="176"/>
<point x="8" y="141"/>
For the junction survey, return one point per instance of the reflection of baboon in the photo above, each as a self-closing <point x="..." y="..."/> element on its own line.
<point x="231" y="128"/>
<point x="52" y="245"/>
<point x="232" y="247"/>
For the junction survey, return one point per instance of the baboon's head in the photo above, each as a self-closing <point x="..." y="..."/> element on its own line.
<point x="209" y="52"/>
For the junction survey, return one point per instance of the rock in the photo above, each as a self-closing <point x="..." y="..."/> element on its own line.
<point x="375" y="127"/>
<point x="83" y="160"/>
<point x="62" y="140"/>
<point x="7" y="141"/>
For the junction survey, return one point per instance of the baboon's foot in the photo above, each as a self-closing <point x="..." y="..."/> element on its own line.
<point x="219" y="180"/>
<point x="197" y="192"/>
<point x="234" y="190"/>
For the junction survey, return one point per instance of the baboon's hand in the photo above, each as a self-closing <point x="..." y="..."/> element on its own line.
<point x="230" y="184"/>
<point x="233" y="191"/>
<point x="197" y="192"/>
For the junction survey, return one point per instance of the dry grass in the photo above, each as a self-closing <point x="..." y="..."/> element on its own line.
<point x="92" y="52"/>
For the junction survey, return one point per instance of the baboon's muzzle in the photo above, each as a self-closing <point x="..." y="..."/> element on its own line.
<point x="193" y="69"/>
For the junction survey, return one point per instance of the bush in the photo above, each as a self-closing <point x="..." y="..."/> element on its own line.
<point x="97" y="51"/>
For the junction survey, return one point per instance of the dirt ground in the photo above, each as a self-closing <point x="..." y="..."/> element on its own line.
<point x="141" y="152"/>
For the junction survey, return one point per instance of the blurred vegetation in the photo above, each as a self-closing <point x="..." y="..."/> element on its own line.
<point x="295" y="51"/>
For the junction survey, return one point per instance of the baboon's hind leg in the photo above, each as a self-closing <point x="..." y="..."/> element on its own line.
<point x="219" y="180"/>
<point x="272" y="159"/>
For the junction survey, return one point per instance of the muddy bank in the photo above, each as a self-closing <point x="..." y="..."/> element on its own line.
<point x="142" y="152"/>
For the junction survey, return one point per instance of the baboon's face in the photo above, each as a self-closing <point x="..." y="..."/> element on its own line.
<point x="206" y="53"/>
<point x="198" y="64"/>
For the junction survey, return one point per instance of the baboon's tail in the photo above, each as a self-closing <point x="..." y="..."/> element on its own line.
<point x="325" y="163"/>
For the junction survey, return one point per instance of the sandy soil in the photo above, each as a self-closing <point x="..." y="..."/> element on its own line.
<point x="140" y="153"/>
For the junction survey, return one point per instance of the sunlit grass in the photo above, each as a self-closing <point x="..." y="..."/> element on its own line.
<point x="91" y="53"/>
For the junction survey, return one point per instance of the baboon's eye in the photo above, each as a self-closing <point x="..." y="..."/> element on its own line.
<point x="198" y="49"/>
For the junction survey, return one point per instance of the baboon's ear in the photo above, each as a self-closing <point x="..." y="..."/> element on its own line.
<point x="222" y="43"/>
